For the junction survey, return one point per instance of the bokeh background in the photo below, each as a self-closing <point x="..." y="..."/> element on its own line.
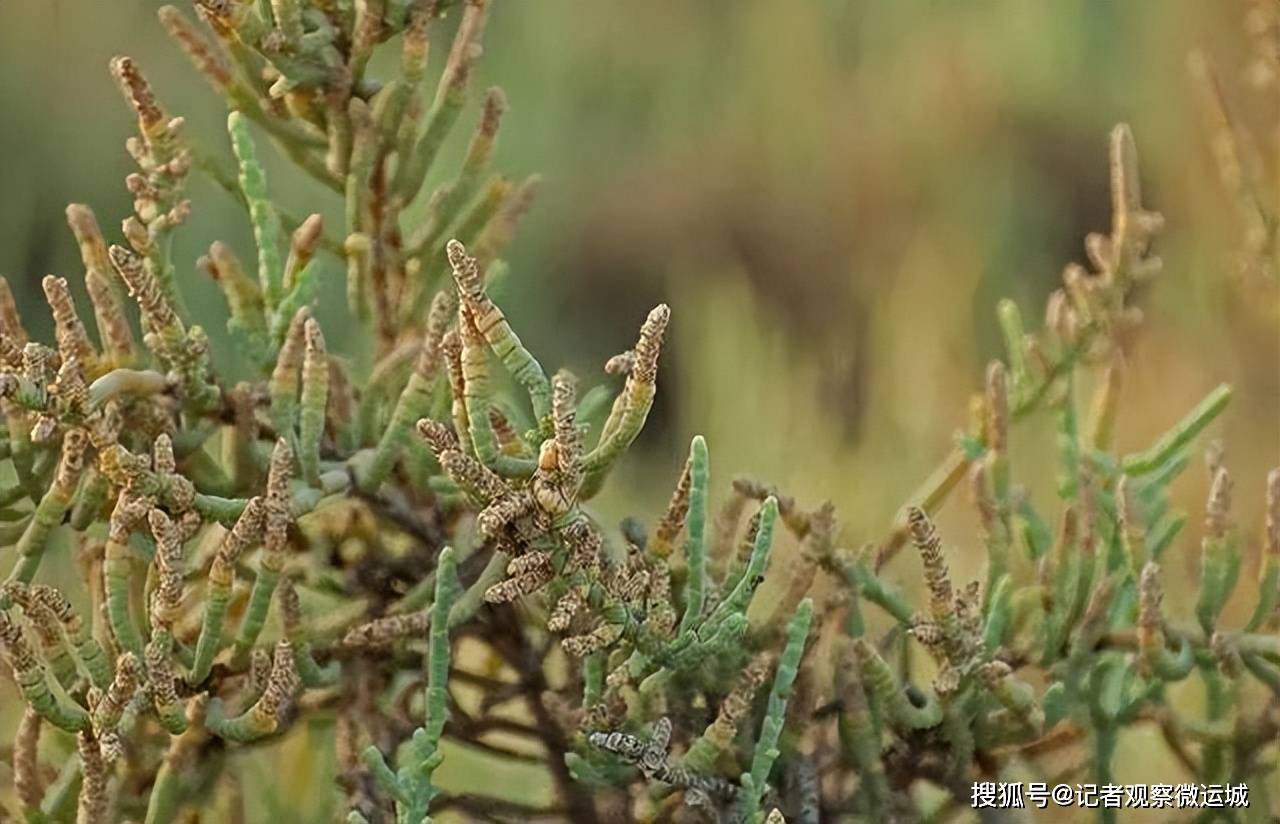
<point x="831" y="194"/>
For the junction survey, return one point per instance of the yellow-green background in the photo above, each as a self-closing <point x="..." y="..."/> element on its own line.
<point x="831" y="195"/>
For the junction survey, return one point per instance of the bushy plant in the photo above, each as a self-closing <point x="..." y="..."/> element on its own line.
<point x="317" y="545"/>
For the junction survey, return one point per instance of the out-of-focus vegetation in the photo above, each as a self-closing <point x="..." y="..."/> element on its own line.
<point x="831" y="194"/>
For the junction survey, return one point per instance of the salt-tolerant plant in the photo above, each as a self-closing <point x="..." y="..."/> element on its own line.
<point x="306" y="546"/>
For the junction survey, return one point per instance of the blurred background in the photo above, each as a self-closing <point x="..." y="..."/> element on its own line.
<point x="832" y="195"/>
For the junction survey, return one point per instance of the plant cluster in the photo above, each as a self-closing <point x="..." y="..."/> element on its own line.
<point x="319" y="546"/>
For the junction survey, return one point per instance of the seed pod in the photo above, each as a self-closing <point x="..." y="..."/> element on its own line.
<point x="451" y="348"/>
<point x="1092" y="610"/>
<point x="365" y="34"/>
<point x="996" y="425"/>
<point x="553" y="494"/>
<point x="256" y="681"/>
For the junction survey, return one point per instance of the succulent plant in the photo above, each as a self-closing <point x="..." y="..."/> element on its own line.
<point x="319" y="545"/>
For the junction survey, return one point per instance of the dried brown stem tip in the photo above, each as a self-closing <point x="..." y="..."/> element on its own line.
<point x="137" y="92"/>
<point x="388" y="629"/>
<point x="644" y="367"/>
<point x="202" y="53"/>
<point x="674" y="518"/>
<point x="92" y="807"/>
<point x="564" y="417"/>
<point x="925" y="538"/>
<point x="281" y="686"/>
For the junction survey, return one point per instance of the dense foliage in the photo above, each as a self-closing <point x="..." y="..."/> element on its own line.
<point x="316" y="545"/>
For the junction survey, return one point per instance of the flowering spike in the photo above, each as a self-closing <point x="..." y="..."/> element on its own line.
<point x="73" y="339"/>
<point x="492" y="325"/>
<point x="632" y="407"/>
